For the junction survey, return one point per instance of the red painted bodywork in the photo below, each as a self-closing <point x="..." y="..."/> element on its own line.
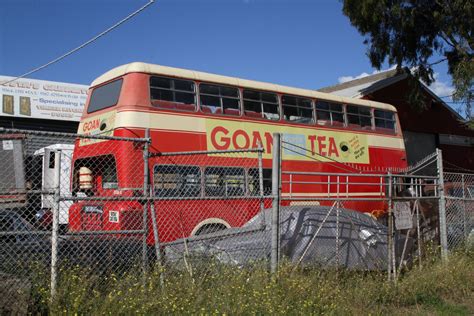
<point x="179" y="218"/>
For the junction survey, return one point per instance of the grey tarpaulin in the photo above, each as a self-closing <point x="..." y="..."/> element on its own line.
<point x="362" y="240"/>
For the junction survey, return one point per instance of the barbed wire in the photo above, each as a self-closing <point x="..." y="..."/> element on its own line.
<point x="456" y="167"/>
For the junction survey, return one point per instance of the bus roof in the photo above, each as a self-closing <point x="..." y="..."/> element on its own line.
<point x="250" y="84"/>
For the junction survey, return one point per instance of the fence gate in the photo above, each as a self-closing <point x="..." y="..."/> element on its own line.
<point x="323" y="203"/>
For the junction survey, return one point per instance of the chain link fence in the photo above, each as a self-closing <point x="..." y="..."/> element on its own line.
<point x="107" y="205"/>
<point x="397" y="218"/>
<point x="459" y="190"/>
<point x="208" y="206"/>
<point x="56" y="191"/>
<point x="101" y="217"/>
<point x="25" y="204"/>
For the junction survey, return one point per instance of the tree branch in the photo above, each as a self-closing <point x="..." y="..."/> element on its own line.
<point x="437" y="62"/>
<point x="443" y="36"/>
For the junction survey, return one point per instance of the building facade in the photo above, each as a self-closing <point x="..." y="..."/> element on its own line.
<point x="434" y="125"/>
<point x="41" y="105"/>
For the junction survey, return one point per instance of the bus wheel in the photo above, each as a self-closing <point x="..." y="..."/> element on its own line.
<point x="210" y="228"/>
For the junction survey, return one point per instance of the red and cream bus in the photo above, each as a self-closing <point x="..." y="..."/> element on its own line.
<point x="186" y="110"/>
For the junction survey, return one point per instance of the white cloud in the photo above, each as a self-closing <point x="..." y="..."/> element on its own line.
<point x="362" y="75"/>
<point x="440" y="88"/>
<point x="349" y="78"/>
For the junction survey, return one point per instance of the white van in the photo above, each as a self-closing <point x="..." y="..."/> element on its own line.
<point x="51" y="166"/>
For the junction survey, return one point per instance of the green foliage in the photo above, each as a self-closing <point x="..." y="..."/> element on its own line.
<point x="219" y="289"/>
<point x="409" y="32"/>
<point x="470" y="123"/>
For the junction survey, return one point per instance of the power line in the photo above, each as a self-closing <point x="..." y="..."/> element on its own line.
<point x="131" y="15"/>
<point x="452" y="94"/>
<point x="325" y="157"/>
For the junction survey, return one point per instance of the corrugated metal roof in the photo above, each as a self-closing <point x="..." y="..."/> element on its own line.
<point x="356" y="84"/>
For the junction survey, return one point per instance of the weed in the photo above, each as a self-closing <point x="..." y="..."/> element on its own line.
<point x="219" y="289"/>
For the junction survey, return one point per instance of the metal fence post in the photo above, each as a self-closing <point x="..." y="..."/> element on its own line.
<point x="156" y="237"/>
<point x="154" y="222"/>
<point x="276" y="190"/>
<point x="146" y="204"/>
<point x="442" y="207"/>
<point x="55" y="229"/>
<point x="464" y="209"/>
<point x="391" y="249"/>
<point x="260" y="182"/>
<point x="418" y="232"/>
<point x="337" y="224"/>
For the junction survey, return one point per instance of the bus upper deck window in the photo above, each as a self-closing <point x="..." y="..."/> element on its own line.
<point x="359" y="116"/>
<point x="219" y="99"/>
<point x="328" y="113"/>
<point x="298" y="110"/>
<point x="384" y="120"/>
<point x="176" y="93"/>
<point x="261" y="105"/>
<point x="105" y="96"/>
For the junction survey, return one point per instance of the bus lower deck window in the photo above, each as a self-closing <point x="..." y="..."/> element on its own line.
<point x="177" y="181"/>
<point x="109" y="175"/>
<point x="224" y="181"/>
<point x="254" y="181"/>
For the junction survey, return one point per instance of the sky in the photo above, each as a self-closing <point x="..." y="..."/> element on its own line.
<point x="301" y="43"/>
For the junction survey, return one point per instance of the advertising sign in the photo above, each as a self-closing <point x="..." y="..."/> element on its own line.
<point x="97" y="125"/>
<point x="30" y="98"/>
<point x="403" y="215"/>
<point x="305" y="143"/>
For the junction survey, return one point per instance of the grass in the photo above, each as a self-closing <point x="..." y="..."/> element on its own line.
<point x="440" y="289"/>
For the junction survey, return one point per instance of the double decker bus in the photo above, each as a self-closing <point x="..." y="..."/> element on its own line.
<point x="186" y="110"/>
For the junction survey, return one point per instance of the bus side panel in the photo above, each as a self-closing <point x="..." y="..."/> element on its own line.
<point x="178" y="220"/>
